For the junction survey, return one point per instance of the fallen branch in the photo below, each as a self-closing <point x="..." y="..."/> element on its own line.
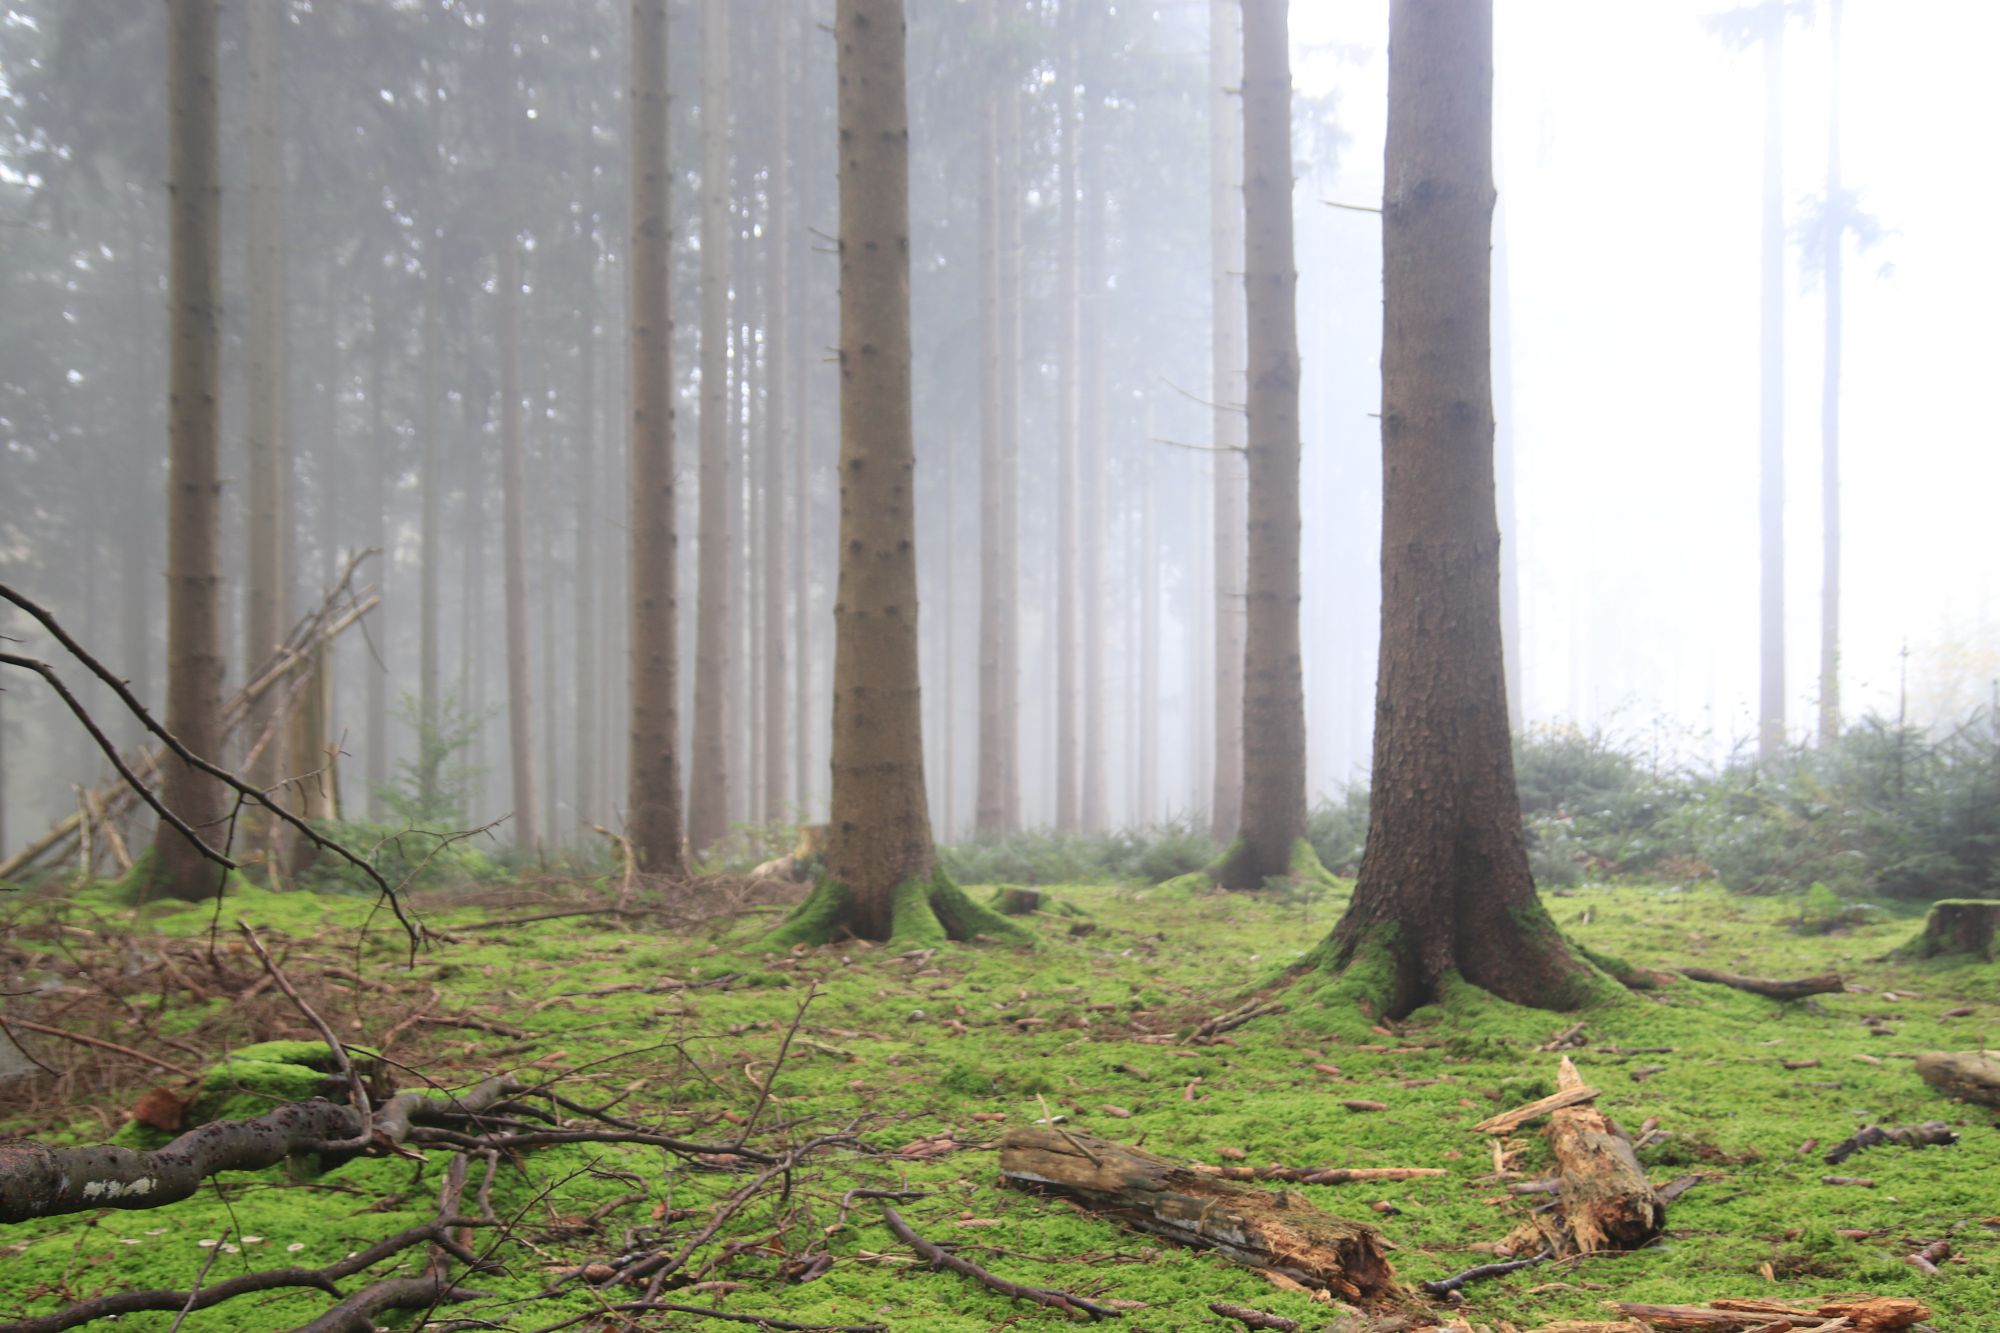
<point x="1228" y="1022"/>
<point x="1509" y="1121"/>
<point x="1067" y="1302"/>
<point x="98" y="1042"/>
<point x="1930" y="1133"/>
<point x="1318" y="1175"/>
<point x="710" y="1312"/>
<point x="1250" y="1318"/>
<point x="1605" y="1199"/>
<point x="1864" y="1314"/>
<point x="1827" y="984"/>
<point x="1446" y="1286"/>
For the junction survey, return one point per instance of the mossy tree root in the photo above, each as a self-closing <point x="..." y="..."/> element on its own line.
<point x="1235" y="868"/>
<point x="923" y="912"/>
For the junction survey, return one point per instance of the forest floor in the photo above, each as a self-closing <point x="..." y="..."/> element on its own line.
<point x="925" y="1058"/>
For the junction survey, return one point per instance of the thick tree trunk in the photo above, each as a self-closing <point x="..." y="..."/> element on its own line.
<point x="1274" y="723"/>
<point x="1771" y="379"/>
<point x="194" y="571"/>
<point x="653" y="795"/>
<point x="708" y="770"/>
<point x="1444" y="883"/>
<point x="513" y="473"/>
<point x="1069" y="798"/>
<point x="777" y="424"/>
<point x="1829" y="410"/>
<point x="1228" y="392"/>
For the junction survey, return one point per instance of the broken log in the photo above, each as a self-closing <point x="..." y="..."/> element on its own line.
<point x="1930" y="1133"/>
<point x="1509" y="1121"/>
<point x="1604" y="1197"/>
<point x="1959" y="925"/>
<point x="1864" y="1314"/>
<point x="1827" y="984"/>
<point x="1276" y="1230"/>
<point x="1973" y="1076"/>
<point x="1318" y="1175"/>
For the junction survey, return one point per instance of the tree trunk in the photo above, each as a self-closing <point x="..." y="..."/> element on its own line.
<point x="378" y="538"/>
<point x="430" y="538"/>
<point x="545" y="580"/>
<point x="584" y="424"/>
<point x="997" y="797"/>
<point x="1274" y="724"/>
<point x="1606" y="1200"/>
<point x="1771" y="433"/>
<point x="1836" y="224"/>
<point x="1090" y="438"/>
<point x="194" y="573"/>
<point x="653" y="795"/>
<point x="777" y="350"/>
<point x="1069" y="807"/>
<point x="1227" y="392"/>
<point x="1149" y="642"/>
<point x="525" y="804"/>
<point x="268" y="577"/>
<point x="1503" y="479"/>
<point x="881" y="875"/>
<point x="1444" y="883"/>
<point x="1964" y="925"/>
<point x="708" y="773"/>
<point x="138" y="536"/>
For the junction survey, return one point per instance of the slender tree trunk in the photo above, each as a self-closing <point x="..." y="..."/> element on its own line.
<point x="1069" y="799"/>
<point x="747" y="538"/>
<point x="194" y="575"/>
<point x="545" y="579"/>
<point x="1829" y="593"/>
<point x="473" y="610"/>
<point x="585" y="593"/>
<point x="1227" y="392"/>
<point x="1090" y="438"/>
<point x="709" y="776"/>
<point x="802" y="540"/>
<point x="1149" y="644"/>
<point x="997" y="740"/>
<point x="653" y="796"/>
<point x="1008" y="517"/>
<point x="777" y="334"/>
<point x="1444" y="883"/>
<point x="268" y="578"/>
<point x="138" y="538"/>
<point x="1771" y="435"/>
<point x="378" y="537"/>
<point x="1274" y="723"/>
<point x="948" y="813"/>
<point x="430" y="539"/>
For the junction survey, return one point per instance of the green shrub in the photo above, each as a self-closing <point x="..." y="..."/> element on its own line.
<point x="429" y="858"/>
<point x="1337" y="828"/>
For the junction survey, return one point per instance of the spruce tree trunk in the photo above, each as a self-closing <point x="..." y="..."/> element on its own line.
<point x="1090" y="437"/>
<point x="777" y="424"/>
<point x="1274" y="724"/>
<point x="1444" y="883"/>
<point x="430" y="537"/>
<point x="1771" y="378"/>
<point x="653" y="794"/>
<point x="802" y="539"/>
<point x="1829" y="595"/>
<point x="377" y="721"/>
<point x="268" y="577"/>
<point x="194" y="573"/>
<point x="138" y="538"/>
<point x="708" y="772"/>
<point x="588" y="697"/>
<point x="1228" y="392"/>
<point x="1069" y="798"/>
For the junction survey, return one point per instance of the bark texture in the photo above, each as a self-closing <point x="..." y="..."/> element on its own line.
<point x="1606" y="1200"/>
<point x="1971" y="1075"/>
<point x="1273" y="817"/>
<point x="777" y="424"/>
<point x="1444" y="884"/>
<point x="653" y="793"/>
<point x="708" y="765"/>
<point x="194" y="575"/>
<point x="1227" y="393"/>
<point x="1960" y="925"/>
<point x="1262" y="1228"/>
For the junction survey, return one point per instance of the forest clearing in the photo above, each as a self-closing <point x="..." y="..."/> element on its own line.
<point x="892" y="1073"/>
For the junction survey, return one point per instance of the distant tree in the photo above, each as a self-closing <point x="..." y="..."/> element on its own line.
<point x="194" y="597"/>
<point x="1272" y="829"/>
<point x="1444" y="886"/>
<point x="881" y="878"/>
<point x="1069" y="765"/>
<point x="653" y="796"/>
<point x="1227" y="393"/>
<point x="777" y="421"/>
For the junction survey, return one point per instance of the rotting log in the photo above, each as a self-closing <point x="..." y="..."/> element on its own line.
<point x="1827" y="984"/>
<point x="1864" y="1314"/>
<point x="1973" y="1076"/>
<point x="1276" y="1230"/>
<point x="1605" y="1200"/>
<point x="1960" y="925"/>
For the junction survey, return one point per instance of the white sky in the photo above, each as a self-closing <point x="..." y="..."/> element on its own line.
<point x="1629" y="158"/>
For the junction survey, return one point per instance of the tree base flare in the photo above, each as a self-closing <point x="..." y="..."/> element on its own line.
<point x="1236" y="869"/>
<point x="924" y="912"/>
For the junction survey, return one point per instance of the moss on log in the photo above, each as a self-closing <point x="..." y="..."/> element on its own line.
<point x="1971" y="1075"/>
<point x="1959" y="926"/>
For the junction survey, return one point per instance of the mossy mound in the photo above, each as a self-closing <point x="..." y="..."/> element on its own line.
<point x="923" y="912"/>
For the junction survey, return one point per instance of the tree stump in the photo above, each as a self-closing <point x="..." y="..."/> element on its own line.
<point x="1959" y="925"/>
<point x="1015" y="901"/>
<point x="1271" y="1229"/>
<point x="1971" y="1075"/>
<point x="1605" y="1197"/>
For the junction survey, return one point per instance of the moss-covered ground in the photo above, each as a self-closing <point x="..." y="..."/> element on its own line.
<point x="957" y="1043"/>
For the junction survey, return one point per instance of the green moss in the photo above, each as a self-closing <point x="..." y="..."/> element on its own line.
<point x="922" y="913"/>
<point x="1307" y="870"/>
<point x="814" y="921"/>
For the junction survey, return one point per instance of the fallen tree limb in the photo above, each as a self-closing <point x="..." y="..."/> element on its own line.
<point x="1971" y="1075"/>
<point x="1826" y="984"/>
<point x="1250" y="1318"/>
<point x="1930" y="1133"/>
<point x="357" y="1313"/>
<point x="1509" y="1121"/>
<point x="1604" y="1197"/>
<point x="1318" y="1175"/>
<point x="1446" y="1286"/>
<point x="1275" y="1230"/>
<point x="709" y="1312"/>
<point x="1864" y="1314"/>
<point x="1068" y="1302"/>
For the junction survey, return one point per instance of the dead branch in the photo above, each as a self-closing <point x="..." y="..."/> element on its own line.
<point x="1318" y="1175"/>
<point x="1446" y="1286"/>
<point x="1250" y="1318"/>
<point x="1930" y="1133"/>
<point x="1235" y="1018"/>
<point x="1606" y="1200"/>
<point x="1828" y="984"/>
<point x="1509" y="1121"/>
<point x="1068" y="1302"/>
<point x="631" y="860"/>
<point x="710" y="1312"/>
<point x="357" y="1093"/>
<point x="100" y="1043"/>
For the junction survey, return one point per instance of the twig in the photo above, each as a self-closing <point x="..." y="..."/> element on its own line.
<point x="1250" y="1318"/>
<point x="764" y="1089"/>
<point x="1445" y="1286"/>
<point x="357" y="1092"/>
<point x="102" y="1044"/>
<point x="631" y="867"/>
<point x="1065" y="1301"/>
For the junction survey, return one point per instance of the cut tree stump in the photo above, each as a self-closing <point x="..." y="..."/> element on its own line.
<point x="1018" y="901"/>
<point x="1270" y="1229"/>
<point x="1959" y="925"/>
<point x="1829" y="984"/>
<point x="1606" y="1200"/>
<point x="1971" y="1075"/>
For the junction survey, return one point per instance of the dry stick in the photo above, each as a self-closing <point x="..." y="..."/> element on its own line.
<point x="764" y="1090"/>
<point x="631" y="866"/>
<point x="1828" y="984"/>
<point x="1509" y="1121"/>
<point x="1445" y="1286"/>
<point x="357" y="1092"/>
<point x="1318" y="1175"/>
<point x="708" y="1312"/>
<point x="99" y="1042"/>
<point x="187" y="756"/>
<point x="1250" y="1318"/>
<point x="1055" y="1300"/>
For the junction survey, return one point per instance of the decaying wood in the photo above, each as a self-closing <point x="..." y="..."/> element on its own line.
<point x="1932" y="1133"/>
<point x="1971" y="1075"/>
<point x="1250" y="1318"/>
<point x="1605" y="1199"/>
<point x="1955" y="926"/>
<point x="1067" y="1302"/>
<point x="1318" y="1175"/>
<point x="1275" y="1230"/>
<point x="1828" y="984"/>
<point x="1479" y="1273"/>
<point x="1863" y="1314"/>
<point x="1509" y="1121"/>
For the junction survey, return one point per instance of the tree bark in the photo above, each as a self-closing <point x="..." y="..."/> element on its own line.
<point x="1069" y="798"/>
<point x="194" y="631"/>
<point x="1444" y="884"/>
<point x="653" y="795"/>
<point x="1771" y="380"/>
<point x="1227" y="394"/>
<point x="708" y="771"/>
<point x="377" y="721"/>
<point x="777" y="423"/>
<point x="1273" y="818"/>
<point x="1606" y="1200"/>
<point x="1960" y="926"/>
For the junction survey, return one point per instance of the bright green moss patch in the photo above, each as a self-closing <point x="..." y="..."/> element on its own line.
<point x="923" y="913"/>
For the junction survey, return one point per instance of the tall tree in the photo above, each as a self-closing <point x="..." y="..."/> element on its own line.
<point x="1091" y="392"/>
<point x="194" y="575"/>
<point x="777" y="368"/>
<point x="1834" y="226"/>
<point x="881" y="879"/>
<point x="589" y="700"/>
<point x="377" y="518"/>
<point x="1069" y="797"/>
<point x="708" y="774"/>
<point x="653" y="796"/>
<point x="1444" y="884"/>
<point x="1273" y="821"/>
<point x="1771" y="391"/>
<point x="1227" y="393"/>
